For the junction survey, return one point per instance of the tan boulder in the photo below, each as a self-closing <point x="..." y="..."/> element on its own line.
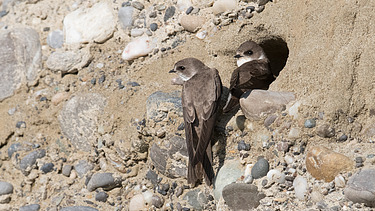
<point x="325" y="164"/>
<point x="192" y="23"/>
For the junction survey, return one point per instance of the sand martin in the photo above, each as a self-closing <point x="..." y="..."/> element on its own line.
<point x="253" y="72"/>
<point x="201" y="91"/>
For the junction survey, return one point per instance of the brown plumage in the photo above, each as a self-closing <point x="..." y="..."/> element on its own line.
<point x="201" y="91"/>
<point x="253" y="72"/>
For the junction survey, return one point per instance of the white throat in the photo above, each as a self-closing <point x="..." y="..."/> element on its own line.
<point x="183" y="77"/>
<point x="243" y="60"/>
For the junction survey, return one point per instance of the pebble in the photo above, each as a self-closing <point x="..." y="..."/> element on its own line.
<point x="282" y="146"/>
<point x="269" y="120"/>
<point x="275" y="175"/>
<point x="250" y="8"/>
<point x="235" y="193"/>
<point x="100" y="20"/>
<point x="260" y="9"/>
<point x="310" y="123"/>
<point x="66" y="170"/>
<point x="196" y="198"/>
<point x="12" y="111"/>
<point x="325" y="131"/>
<point x="21" y="124"/>
<point x="136" y="32"/>
<point x="102" y="180"/>
<point x="153" y="27"/>
<point x="182" y="5"/>
<point x="147" y="195"/>
<point x="248" y="179"/>
<point x="339" y="181"/>
<point x="82" y="167"/>
<point x="55" y="39"/>
<point x="30" y="159"/>
<point x="343" y="138"/>
<point x="189" y="10"/>
<point x="179" y="191"/>
<point x="138" y="5"/>
<point x="141" y="46"/>
<point x="169" y="13"/>
<point x="152" y="176"/>
<point x="228" y="173"/>
<point x="300" y="187"/>
<point x="31" y="207"/>
<point x="14" y="148"/>
<point x="125" y="15"/>
<point x="221" y="6"/>
<point x="101" y="79"/>
<point x="68" y="61"/>
<point x="260" y="169"/>
<point x="157" y="201"/>
<point x="101" y="196"/>
<point x="192" y="23"/>
<point x="325" y="164"/>
<point x="46" y="168"/>
<point x="5" y="188"/>
<point x="243" y="146"/>
<point x="262" y="2"/>
<point x="78" y="208"/>
<point x="137" y="203"/>
<point x="152" y="14"/>
<point x="361" y="187"/>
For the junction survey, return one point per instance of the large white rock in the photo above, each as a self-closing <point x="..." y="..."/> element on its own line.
<point x="138" y="47"/>
<point x="95" y="24"/>
<point x="224" y="6"/>
<point x="257" y="103"/>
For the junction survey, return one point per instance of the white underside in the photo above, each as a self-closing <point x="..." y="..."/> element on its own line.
<point x="183" y="77"/>
<point x="243" y="60"/>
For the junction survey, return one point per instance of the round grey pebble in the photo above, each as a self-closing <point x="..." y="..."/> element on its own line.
<point x="138" y="5"/>
<point x="5" y="188"/>
<point x="133" y="84"/>
<point x="269" y="120"/>
<point x="264" y="182"/>
<point x="101" y="79"/>
<point x="243" y="146"/>
<point x="30" y="159"/>
<point x="343" y="138"/>
<point x="46" y="168"/>
<point x="179" y="191"/>
<point x="157" y="201"/>
<point x="3" y="13"/>
<point x="21" y="124"/>
<point x="310" y="123"/>
<point x="189" y="10"/>
<point x="55" y="39"/>
<point x="93" y="81"/>
<point x="126" y="4"/>
<point x="260" y="169"/>
<point x="101" y="180"/>
<point x="359" y="160"/>
<point x="169" y="13"/>
<point x="101" y="196"/>
<point x="181" y="126"/>
<point x="153" y="27"/>
<point x="31" y="207"/>
<point x="66" y="170"/>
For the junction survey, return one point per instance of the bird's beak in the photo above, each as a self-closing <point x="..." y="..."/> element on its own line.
<point x="172" y="71"/>
<point x="237" y="56"/>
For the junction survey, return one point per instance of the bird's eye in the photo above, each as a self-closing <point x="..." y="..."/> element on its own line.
<point x="181" y="67"/>
<point x="249" y="52"/>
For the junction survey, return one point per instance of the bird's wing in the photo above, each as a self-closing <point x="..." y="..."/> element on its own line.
<point x="250" y="75"/>
<point x="207" y="124"/>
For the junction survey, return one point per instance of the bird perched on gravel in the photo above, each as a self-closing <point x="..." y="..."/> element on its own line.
<point x="201" y="91"/>
<point x="253" y="72"/>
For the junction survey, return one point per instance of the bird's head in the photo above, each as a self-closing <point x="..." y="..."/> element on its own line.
<point x="187" y="68"/>
<point x="249" y="51"/>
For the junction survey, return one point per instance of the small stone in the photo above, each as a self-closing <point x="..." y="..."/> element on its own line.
<point x="101" y="79"/>
<point x="169" y="13"/>
<point x="339" y="181"/>
<point x="179" y="192"/>
<point x="343" y="138"/>
<point x="31" y="207"/>
<point x="93" y="81"/>
<point x="195" y="10"/>
<point x="14" y="148"/>
<point x="153" y="27"/>
<point x="138" y="5"/>
<point x="68" y="61"/>
<point x="12" y="111"/>
<point x="361" y="187"/>
<point x="46" y="168"/>
<point x="21" y="124"/>
<point x="5" y="188"/>
<point x="102" y="180"/>
<point x="242" y="196"/>
<point x="325" y="131"/>
<point x="250" y="8"/>
<point x="78" y="208"/>
<point x="269" y="120"/>
<point x="264" y="182"/>
<point x="359" y="160"/>
<point x="260" y="169"/>
<point x="262" y="2"/>
<point x="181" y="126"/>
<point x="141" y="46"/>
<point x="260" y="9"/>
<point x="325" y="164"/>
<point x="192" y="23"/>
<point x="243" y="146"/>
<point x="157" y="201"/>
<point x="101" y="196"/>
<point x="189" y="10"/>
<point x="249" y="15"/>
<point x="126" y="4"/>
<point x="229" y="173"/>
<point x="137" y="203"/>
<point x="160" y="7"/>
<point x="196" y="198"/>
<point x="153" y="14"/>
<point x="125" y="15"/>
<point x="152" y="176"/>
<point x="82" y="167"/>
<point x="3" y="13"/>
<point x="300" y="187"/>
<point x="282" y="146"/>
<point x="55" y="39"/>
<point x="66" y="170"/>
<point x="310" y="123"/>
<point x="30" y="159"/>
<point x="248" y="179"/>
<point x="275" y="175"/>
<point x="321" y="205"/>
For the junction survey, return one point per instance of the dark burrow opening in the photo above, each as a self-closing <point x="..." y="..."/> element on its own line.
<point x="277" y="52"/>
